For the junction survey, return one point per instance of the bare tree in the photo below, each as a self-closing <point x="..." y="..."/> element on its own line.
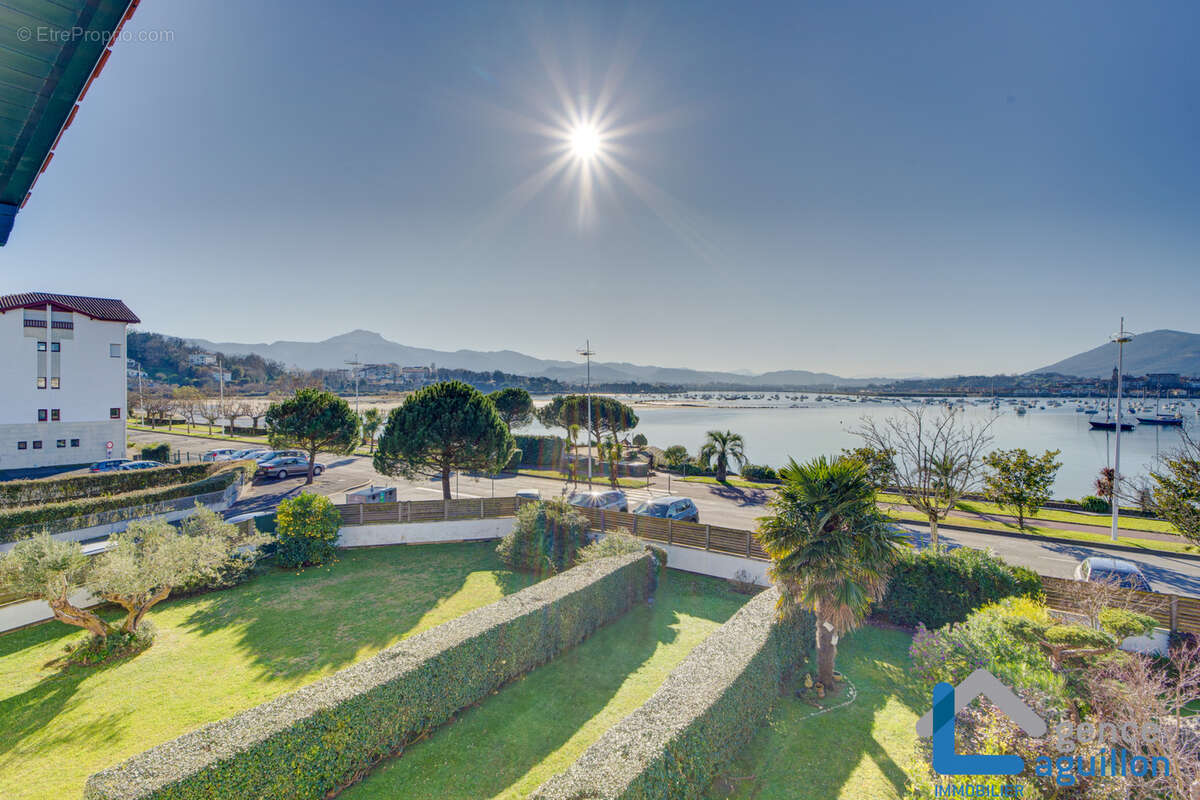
<point x="158" y="407"/>
<point x="937" y="457"/>
<point x="1094" y="596"/>
<point x="255" y="412"/>
<point x="187" y="402"/>
<point x="235" y="409"/>
<point x="210" y="411"/>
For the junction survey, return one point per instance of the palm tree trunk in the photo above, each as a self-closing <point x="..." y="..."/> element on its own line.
<point x="826" y="656"/>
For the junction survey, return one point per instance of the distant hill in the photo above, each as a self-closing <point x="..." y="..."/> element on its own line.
<point x="372" y="348"/>
<point x="1156" y="351"/>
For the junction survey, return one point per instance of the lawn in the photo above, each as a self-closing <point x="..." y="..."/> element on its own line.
<point x="860" y="750"/>
<point x="537" y="726"/>
<point x="601" y="482"/>
<point x="220" y="653"/>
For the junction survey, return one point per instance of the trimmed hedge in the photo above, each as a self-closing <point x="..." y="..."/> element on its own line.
<point x="937" y="589"/>
<point x="699" y="719"/>
<point x="308" y="743"/>
<point x="16" y="494"/>
<point x="540" y="452"/>
<point x="221" y="477"/>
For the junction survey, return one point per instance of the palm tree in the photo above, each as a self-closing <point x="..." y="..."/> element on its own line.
<point x="371" y="420"/>
<point x="723" y="447"/>
<point x="610" y="453"/>
<point x="830" y="547"/>
<point x="572" y="440"/>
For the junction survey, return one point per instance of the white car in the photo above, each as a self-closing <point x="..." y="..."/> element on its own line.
<point x="223" y="454"/>
<point x="611" y="499"/>
<point x="529" y="494"/>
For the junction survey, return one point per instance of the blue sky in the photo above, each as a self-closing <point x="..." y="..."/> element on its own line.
<point x="858" y="188"/>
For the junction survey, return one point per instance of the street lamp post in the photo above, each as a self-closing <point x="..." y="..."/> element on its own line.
<point x="1120" y="337"/>
<point x="588" y="353"/>
<point x="356" y="364"/>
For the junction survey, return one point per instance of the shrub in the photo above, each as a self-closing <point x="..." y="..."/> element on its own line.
<point x="159" y="451"/>
<point x="695" y="469"/>
<point x="676" y="456"/>
<point x="938" y="588"/>
<point x="640" y="440"/>
<point x="660" y="557"/>
<point x="1096" y="504"/>
<point x="540" y="452"/>
<point x="1123" y="623"/>
<point x="546" y="537"/>
<point x="306" y="528"/>
<point x="97" y="650"/>
<point x="313" y="741"/>
<point x="700" y="718"/>
<point x="1078" y="636"/>
<point x="613" y="544"/>
<point x="759" y="472"/>
<point x="43" y="491"/>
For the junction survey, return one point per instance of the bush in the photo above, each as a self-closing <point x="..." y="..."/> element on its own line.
<point x="160" y="451"/>
<point x="306" y="528"/>
<point x="690" y="469"/>
<point x="540" y="452"/>
<point x="704" y="713"/>
<point x="1122" y="623"/>
<point x="935" y="589"/>
<point x="676" y="456"/>
<point x="1078" y="636"/>
<point x="759" y="472"/>
<point x="613" y="544"/>
<point x="15" y="494"/>
<point x="640" y="440"/>
<point x="1095" y="504"/>
<point x="312" y="742"/>
<point x="546" y="538"/>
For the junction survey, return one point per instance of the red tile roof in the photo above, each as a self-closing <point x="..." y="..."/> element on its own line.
<point x="101" y="308"/>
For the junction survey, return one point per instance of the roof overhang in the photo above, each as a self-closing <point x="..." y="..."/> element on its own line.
<point x="50" y="52"/>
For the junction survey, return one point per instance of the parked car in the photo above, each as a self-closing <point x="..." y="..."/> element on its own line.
<point x="612" y="499"/>
<point x="530" y="494"/>
<point x="676" y="508"/>
<point x="222" y="454"/>
<point x="282" y="467"/>
<point x="249" y="453"/>
<point x="141" y="465"/>
<point x="1117" y="571"/>
<point x="108" y="466"/>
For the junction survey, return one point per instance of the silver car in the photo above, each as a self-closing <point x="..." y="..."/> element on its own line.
<point x="611" y="499"/>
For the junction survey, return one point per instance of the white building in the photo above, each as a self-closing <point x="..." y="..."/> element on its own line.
<point x="202" y="359"/>
<point x="62" y="379"/>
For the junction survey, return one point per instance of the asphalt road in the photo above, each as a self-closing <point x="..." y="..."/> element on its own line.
<point x="727" y="506"/>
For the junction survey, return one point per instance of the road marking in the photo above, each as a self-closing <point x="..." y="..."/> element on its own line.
<point x="439" y="491"/>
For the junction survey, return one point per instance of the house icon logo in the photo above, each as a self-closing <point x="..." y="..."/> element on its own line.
<point x="939" y="723"/>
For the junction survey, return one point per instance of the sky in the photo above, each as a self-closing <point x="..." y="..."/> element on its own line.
<point x="866" y="189"/>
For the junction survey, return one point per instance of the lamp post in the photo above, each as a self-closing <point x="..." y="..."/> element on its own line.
<point x="1120" y="337"/>
<point x="356" y="364"/>
<point x="587" y="353"/>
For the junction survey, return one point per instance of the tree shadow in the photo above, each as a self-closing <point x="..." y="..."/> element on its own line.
<point x="293" y="622"/>
<point x="743" y="497"/>
<point x="494" y="745"/>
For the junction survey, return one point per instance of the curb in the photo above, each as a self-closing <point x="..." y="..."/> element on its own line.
<point x="1060" y="540"/>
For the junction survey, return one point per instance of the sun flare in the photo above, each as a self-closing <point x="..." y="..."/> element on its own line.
<point x="584" y="140"/>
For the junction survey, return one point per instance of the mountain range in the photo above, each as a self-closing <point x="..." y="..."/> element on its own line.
<point x="1156" y="351"/>
<point x="371" y="348"/>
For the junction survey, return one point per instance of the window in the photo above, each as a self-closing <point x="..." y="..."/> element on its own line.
<point x="42" y="415"/>
<point x="114" y="413"/>
<point x="61" y="443"/>
<point x="41" y="347"/>
<point x="37" y="444"/>
<point x="22" y="445"/>
<point x="41" y="384"/>
<point x="114" y="351"/>
<point x="54" y="415"/>
<point x="54" y="383"/>
<point x="55" y="347"/>
<point x="74" y="443"/>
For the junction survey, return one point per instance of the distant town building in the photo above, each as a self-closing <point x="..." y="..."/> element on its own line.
<point x="63" y="370"/>
<point x="378" y="373"/>
<point x="202" y="359"/>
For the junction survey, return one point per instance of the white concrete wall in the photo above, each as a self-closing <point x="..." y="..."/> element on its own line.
<point x="461" y="530"/>
<point x="718" y="565"/>
<point x="18" y="615"/>
<point x="91" y="383"/>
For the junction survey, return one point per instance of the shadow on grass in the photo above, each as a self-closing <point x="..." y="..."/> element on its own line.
<point x="492" y="746"/>
<point x="296" y="621"/>
<point x="743" y="497"/>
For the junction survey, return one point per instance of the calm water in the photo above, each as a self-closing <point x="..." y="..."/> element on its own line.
<point x="774" y="434"/>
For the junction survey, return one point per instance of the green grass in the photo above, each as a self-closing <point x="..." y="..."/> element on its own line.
<point x="738" y="482"/>
<point x="855" y="752"/>
<point x="537" y="726"/>
<point x="1055" y="515"/>
<point x="1034" y="531"/>
<point x="599" y="481"/>
<point x="220" y="653"/>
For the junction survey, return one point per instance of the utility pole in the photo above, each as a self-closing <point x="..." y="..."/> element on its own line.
<point x="1121" y="337"/>
<point x="356" y="364"/>
<point x="588" y="353"/>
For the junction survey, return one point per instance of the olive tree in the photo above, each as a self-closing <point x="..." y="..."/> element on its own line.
<point x="937" y="457"/>
<point x="47" y="569"/>
<point x="314" y="421"/>
<point x="441" y="428"/>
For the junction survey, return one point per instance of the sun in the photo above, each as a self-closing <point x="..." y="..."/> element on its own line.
<point x="584" y="141"/>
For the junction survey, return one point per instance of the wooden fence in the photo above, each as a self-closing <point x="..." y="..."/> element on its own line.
<point x="1175" y="612"/>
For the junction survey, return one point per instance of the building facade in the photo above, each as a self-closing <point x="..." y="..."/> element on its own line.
<point x="62" y="379"/>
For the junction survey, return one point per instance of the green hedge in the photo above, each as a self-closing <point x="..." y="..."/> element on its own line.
<point x="218" y="479"/>
<point x="937" y="589"/>
<point x="15" y="494"/>
<point x="699" y="719"/>
<point x="308" y="743"/>
<point x="540" y="452"/>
